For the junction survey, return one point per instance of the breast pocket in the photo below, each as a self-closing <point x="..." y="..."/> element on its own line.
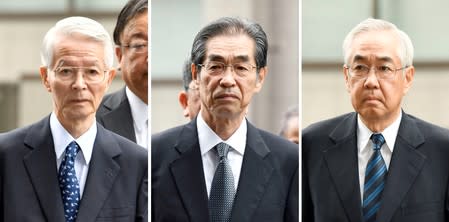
<point x="122" y="214"/>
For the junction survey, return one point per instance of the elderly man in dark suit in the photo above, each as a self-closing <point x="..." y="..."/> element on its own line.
<point x="219" y="167"/>
<point x="377" y="163"/>
<point x="66" y="167"/>
<point x="125" y="112"/>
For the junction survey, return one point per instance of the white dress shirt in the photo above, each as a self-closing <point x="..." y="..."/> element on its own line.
<point x="208" y="139"/>
<point x="365" y="146"/>
<point x="139" y="112"/>
<point x="62" y="138"/>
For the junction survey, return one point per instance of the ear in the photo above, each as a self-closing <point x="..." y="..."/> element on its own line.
<point x="409" y="76"/>
<point x="110" y="77"/>
<point x="261" y="78"/>
<point x="118" y="53"/>
<point x="43" y="70"/>
<point x="346" y="76"/>
<point x="182" y="98"/>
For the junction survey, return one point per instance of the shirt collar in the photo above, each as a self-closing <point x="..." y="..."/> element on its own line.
<point x="139" y="110"/>
<point x="208" y="138"/>
<point x="62" y="138"/>
<point x="390" y="133"/>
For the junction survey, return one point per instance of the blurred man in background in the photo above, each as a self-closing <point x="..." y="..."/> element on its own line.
<point x="290" y="124"/>
<point x="125" y="112"/>
<point x="189" y="98"/>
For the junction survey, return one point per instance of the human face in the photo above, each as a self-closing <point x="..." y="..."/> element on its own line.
<point x="134" y="66"/>
<point x="227" y="95"/>
<point x="378" y="101"/>
<point x="76" y="100"/>
<point x="193" y="100"/>
<point x="292" y="131"/>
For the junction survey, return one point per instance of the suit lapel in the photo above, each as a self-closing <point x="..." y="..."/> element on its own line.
<point x="188" y="174"/>
<point x="342" y="162"/>
<point x="406" y="163"/>
<point x="121" y="110"/>
<point x="103" y="170"/>
<point x="40" y="164"/>
<point x="255" y="173"/>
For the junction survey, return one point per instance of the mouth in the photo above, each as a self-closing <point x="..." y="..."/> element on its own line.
<point x="226" y="96"/>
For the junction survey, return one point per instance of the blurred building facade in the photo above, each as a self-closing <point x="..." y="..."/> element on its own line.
<point x="325" y="24"/>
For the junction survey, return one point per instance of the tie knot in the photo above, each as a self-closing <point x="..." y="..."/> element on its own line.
<point x="72" y="149"/>
<point x="222" y="149"/>
<point x="378" y="141"/>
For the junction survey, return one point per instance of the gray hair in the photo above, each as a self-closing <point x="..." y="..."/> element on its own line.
<point x="370" y="24"/>
<point x="80" y="25"/>
<point x="292" y="112"/>
<point x="230" y="26"/>
<point x="186" y="74"/>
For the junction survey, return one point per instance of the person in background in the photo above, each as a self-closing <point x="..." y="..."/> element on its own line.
<point x="290" y="125"/>
<point x="125" y="112"/>
<point x="189" y="98"/>
<point x="377" y="163"/>
<point x="66" y="167"/>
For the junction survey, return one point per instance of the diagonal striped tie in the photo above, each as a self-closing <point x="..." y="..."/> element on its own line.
<point x="222" y="191"/>
<point x="376" y="172"/>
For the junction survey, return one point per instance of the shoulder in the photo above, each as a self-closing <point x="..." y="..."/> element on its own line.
<point x="325" y="127"/>
<point x="112" y="100"/>
<point x="129" y="149"/>
<point x="427" y="129"/>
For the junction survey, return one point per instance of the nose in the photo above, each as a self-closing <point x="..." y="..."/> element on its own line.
<point x="227" y="79"/>
<point x="371" y="80"/>
<point x="79" y="82"/>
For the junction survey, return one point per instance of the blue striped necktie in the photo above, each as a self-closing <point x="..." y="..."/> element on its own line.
<point x="375" y="175"/>
<point x="68" y="183"/>
<point x="222" y="191"/>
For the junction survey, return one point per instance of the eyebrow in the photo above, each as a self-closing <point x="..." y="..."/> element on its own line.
<point x="358" y="58"/>
<point x="240" y="58"/>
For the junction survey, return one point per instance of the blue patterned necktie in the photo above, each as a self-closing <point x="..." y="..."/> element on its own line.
<point x="375" y="174"/>
<point x="222" y="190"/>
<point x="68" y="183"/>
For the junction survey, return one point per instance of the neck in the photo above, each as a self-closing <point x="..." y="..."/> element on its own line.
<point x="224" y="127"/>
<point x="76" y="127"/>
<point x="378" y="125"/>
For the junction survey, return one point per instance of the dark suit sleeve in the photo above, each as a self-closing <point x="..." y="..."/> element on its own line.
<point x="142" y="205"/>
<point x="292" y="209"/>
<point x="307" y="206"/>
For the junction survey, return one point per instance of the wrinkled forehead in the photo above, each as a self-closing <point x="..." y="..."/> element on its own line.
<point x="230" y="48"/>
<point x="375" y="46"/>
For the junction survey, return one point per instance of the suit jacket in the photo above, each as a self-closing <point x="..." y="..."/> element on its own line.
<point x="114" y="113"/>
<point x="115" y="189"/>
<point x="417" y="184"/>
<point x="267" y="188"/>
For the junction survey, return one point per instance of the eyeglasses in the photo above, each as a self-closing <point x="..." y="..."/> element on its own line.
<point x="218" y="68"/>
<point x="138" y="47"/>
<point x="91" y="75"/>
<point x="360" y="71"/>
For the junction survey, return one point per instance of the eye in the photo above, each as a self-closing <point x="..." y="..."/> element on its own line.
<point x="138" y="46"/>
<point x="385" y="69"/>
<point x="215" y="67"/>
<point x="241" y="67"/>
<point x="92" y="71"/>
<point x="360" y="68"/>
<point x="64" y="71"/>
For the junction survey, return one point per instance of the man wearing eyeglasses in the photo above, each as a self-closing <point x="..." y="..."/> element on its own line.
<point x="219" y="167"/>
<point x="377" y="163"/>
<point x="67" y="167"/>
<point x="125" y="112"/>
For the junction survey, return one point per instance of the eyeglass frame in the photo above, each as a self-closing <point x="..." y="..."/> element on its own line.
<point x="137" y="48"/>
<point x="376" y="70"/>
<point x="225" y="66"/>
<point x="78" y="69"/>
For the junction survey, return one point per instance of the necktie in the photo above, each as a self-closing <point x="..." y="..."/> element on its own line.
<point x="222" y="190"/>
<point x="375" y="175"/>
<point x="68" y="183"/>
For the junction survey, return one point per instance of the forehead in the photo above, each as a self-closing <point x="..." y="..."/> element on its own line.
<point x="230" y="47"/>
<point x="136" y="27"/>
<point x="77" y="50"/>
<point x="375" y="45"/>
